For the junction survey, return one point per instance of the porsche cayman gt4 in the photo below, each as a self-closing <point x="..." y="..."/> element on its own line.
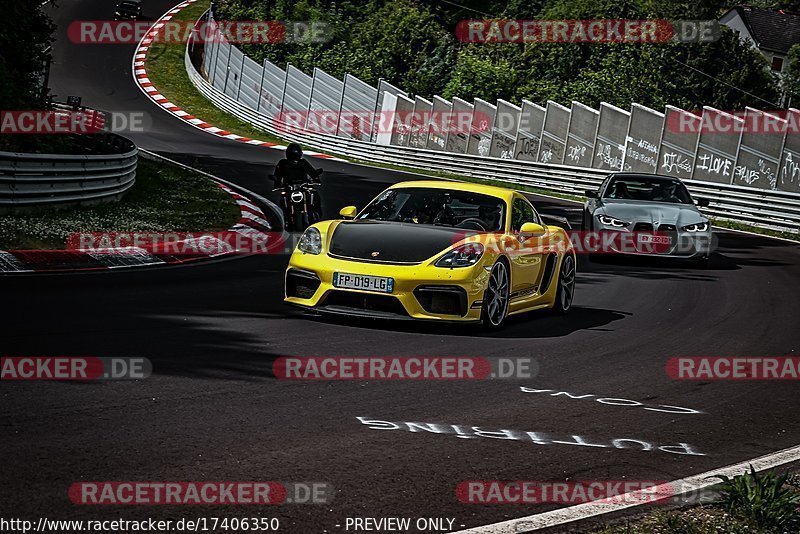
<point x="434" y="250"/>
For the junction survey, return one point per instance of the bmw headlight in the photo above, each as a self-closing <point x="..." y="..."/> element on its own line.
<point x="699" y="227"/>
<point x="310" y="242"/>
<point x="464" y="255"/>
<point x="612" y="221"/>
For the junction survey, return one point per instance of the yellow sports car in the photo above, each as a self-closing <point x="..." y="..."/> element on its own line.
<point x="435" y="250"/>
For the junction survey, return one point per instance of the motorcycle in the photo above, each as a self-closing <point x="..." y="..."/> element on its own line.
<point x="298" y="204"/>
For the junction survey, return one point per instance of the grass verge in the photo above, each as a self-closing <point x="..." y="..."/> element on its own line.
<point x="164" y="199"/>
<point x="735" y="225"/>
<point x="167" y="71"/>
<point x="765" y="503"/>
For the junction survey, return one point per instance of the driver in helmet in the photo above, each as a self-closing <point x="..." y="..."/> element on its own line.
<point x="294" y="170"/>
<point x="490" y="215"/>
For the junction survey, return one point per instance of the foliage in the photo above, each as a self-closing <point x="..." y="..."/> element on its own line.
<point x="478" y="76"/>
<point x="400" y="41"/>
<point x="765" y="499"/>
<point x="24" y="42"/>
<point x="792" y="79"/>
<point x="411" y="44"/>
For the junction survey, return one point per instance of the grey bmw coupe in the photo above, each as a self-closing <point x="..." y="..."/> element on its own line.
<point x="653" y="214"/>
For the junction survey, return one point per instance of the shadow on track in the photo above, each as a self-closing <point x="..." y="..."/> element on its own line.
<point x="655" y="268"/>
<point x="531" y="325"/>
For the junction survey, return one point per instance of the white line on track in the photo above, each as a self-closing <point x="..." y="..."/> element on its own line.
<point x="629" y="500"/>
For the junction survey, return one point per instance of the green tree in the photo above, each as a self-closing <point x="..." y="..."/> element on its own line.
<point x="24" y="42"/>
<point x="411" y="44"/>
<point x="791" y="81"/>
<point x="476" y="76"/>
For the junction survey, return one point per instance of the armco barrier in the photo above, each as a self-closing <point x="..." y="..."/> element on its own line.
<point x="31" y="180"/>
<point x="773" y="209"/>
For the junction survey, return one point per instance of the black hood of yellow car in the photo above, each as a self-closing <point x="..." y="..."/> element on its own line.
<point x="392" y="242"/>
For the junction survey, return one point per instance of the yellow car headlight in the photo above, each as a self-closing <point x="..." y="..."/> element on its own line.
<point x="310" y="242"/>
<point x="465" y="255"/>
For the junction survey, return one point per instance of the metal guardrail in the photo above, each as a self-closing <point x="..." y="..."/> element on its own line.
<point x="29" y="180"/>
<point x="776" y="210"/>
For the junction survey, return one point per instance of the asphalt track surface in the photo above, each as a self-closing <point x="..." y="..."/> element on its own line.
<point x="213" y="411"/>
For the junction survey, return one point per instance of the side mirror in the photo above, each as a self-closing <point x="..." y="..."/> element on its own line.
<point x="530" y="229"/>
<point x="702" y="202"/>
<point x="348" y="212"/>
<point x="590" y="193"/>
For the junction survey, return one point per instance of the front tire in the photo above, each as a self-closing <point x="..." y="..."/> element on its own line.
<point x="566" y="285"/>
<point x="495" y="298"/>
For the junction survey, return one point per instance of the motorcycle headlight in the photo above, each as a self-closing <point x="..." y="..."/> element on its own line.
<point x="464" y="255"/>
<point x="310" y="242"/>
<point x="699" y="227"/>
<point x="612" y="221"/>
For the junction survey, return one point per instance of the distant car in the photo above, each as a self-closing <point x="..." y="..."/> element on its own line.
<point x="128" y="10"/>
<point x="652" y="208"/>
<point x="425" y="250"/>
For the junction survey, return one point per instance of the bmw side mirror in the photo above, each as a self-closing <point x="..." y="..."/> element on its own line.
<point x="590" y="193"/>
<point x="702" y="202"/>
<point x="348" y="212"/>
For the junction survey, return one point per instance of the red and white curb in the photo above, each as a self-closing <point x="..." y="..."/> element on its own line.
<point x="252" y="224"/>
<point x="144" y="83"/>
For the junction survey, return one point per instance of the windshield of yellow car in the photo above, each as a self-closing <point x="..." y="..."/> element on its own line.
<point x="440" y="207"/>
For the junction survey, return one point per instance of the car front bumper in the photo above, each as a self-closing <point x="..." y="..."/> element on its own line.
<point x="684" y="245"/>
<point x="420" y="291"/>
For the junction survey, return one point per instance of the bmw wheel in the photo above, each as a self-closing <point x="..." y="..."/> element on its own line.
<point x="495" y="298"/>
<point x="566" y="285"/>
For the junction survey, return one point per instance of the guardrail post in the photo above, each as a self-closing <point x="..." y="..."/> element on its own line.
<point x="241" y="77"/>
<point x="283" y="94"/>
<point x="310" y="98"/>
<point x="261" y="87"/>
<point x="341" y="103"/>
<point x="227" y="68"/>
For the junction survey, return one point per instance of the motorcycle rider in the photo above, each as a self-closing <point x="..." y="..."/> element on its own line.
<point x="294" y="170"/>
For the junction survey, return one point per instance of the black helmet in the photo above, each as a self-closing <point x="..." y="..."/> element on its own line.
<point x="294" y="152"/>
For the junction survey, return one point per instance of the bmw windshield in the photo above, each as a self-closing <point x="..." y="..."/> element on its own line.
<point x="641" y="188"/>
<point x="441" y="207"/>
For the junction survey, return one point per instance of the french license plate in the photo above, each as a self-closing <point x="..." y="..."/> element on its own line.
<point x="365" y="282"/>
<point x="655" y="239"/>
